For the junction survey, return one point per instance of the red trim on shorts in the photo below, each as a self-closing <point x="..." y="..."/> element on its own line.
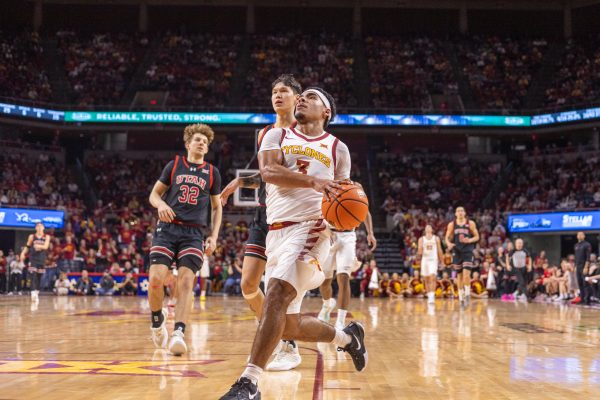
<point x="177" y="222"/>
<point x="191" y="251"/>
<point x="163" y="250"/>
<point x="280" y="225"/>
<point x="334" y="152"/>
<point x="323" y="136"/>
<point x="174" y="168"/>
<point x="255" y="250"/>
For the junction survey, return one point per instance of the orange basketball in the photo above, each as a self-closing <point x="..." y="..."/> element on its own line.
<point x="349" y="208"/>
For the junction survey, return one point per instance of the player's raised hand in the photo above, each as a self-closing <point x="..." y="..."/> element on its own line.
<point x="228" y="191"/>
<point x="210" y="245"/>
<point x="372" y="242"/>
<point x="165" y="213"/>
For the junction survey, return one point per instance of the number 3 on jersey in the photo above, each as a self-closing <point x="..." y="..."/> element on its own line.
<point x="189" y="194"/>
<point x="303" y="166"/>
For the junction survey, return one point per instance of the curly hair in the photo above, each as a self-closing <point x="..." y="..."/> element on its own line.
<point x="203" y="129"/>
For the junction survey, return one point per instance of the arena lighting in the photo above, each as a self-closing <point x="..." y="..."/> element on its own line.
<point x="136" y="117"/>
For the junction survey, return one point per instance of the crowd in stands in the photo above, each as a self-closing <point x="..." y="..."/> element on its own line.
<point x="500" y="69"/>
<point x="22" y="73"/>
<point x="39" y="181"/>
<point x="577" y="76"/>
<point x="552" y="183"/>
<point x="196" y="69"/>
<point x="99" y="67"/>
<point x="405" y="72"/>
<point x="324" y="59"/>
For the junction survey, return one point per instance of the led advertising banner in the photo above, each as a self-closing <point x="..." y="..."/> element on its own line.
<point x="567" y="116"/>
<point x="344" y="119"/>
<point x="28" y="217"/>
<point x="31" y="112"/>
<point x="553" y="222"/>
<point x="133" y="117"/>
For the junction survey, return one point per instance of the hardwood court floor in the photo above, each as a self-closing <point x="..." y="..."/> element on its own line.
<point x="99" y="348"/>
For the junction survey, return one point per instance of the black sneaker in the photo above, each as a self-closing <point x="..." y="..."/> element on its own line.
<point x="356" y="348"/>
<point x="242" y="389"/>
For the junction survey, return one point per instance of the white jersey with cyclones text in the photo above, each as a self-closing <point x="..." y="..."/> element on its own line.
<point x="323" y="156"/>
<point x="430" y="250"/>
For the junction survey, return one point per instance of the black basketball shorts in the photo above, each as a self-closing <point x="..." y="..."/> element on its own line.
<point x="257" y="235"/>
<point x="462" y="259"/>
<point x="181" y="244"/>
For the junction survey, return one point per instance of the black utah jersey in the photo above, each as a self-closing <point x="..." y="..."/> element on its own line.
<point x="190" y="188"/>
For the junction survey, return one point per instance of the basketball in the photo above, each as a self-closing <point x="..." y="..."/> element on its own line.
<point x="348" y="209"/>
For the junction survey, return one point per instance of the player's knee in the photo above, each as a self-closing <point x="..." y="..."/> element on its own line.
<point x="280" y="293"/>
<point x="156" y="278"/>
<point x="249" y="285"/>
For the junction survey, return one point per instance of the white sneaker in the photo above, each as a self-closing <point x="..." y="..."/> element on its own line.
<point x="288" y="358"/>
<point x="160" y="335"/>
<point x="177" y="344"/>
<point x="325" y="313"/>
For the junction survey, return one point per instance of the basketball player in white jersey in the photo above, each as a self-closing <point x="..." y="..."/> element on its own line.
<point x="284" y="93"/>
<point x="299" y="165"/>
<point x="431" y="254"/>
<point x="342" y="258"/>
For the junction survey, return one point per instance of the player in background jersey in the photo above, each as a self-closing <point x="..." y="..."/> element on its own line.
<point x="37" y="247"/>
<point x="187" y="198"/>
<point x="342" y="258"/>
<point x="461" y="236"/>
<point x="431" y="255"/>
<point x="284" y="93"/>
<point x="299" y="165"/>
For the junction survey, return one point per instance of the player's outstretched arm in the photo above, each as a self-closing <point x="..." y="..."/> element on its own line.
<point x="165" y="213"/>
<point x="248" y="182"/>
<point x="371" y="240"/>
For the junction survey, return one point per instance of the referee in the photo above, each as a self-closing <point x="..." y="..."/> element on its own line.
<point x="583" y="249"/>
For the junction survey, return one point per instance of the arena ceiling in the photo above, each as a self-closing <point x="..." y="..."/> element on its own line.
<point x="414" y="4"/>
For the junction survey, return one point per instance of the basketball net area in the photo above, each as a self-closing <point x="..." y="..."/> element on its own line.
<point x="243" y="197"/>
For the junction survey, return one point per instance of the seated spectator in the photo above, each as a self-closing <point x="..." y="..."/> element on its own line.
<point x="399" y="288"/>
<point x="16" y="267"/>
<point x="129" y="286"/>
<point x="85" y="286"/>
<point x="417" y="287"/>
<point x="478" y="290"/>
<point x="447" y="286"/>
<point x="107" y="285"/>
<point x="62" y="285"/>
<point x="384" y="283"/>
<point x="232" y="284"/>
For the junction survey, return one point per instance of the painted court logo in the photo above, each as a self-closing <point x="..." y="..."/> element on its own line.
<point x="184" y="369"/>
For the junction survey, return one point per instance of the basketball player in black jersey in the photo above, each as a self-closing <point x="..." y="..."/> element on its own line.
<point x="461" y="237"/>
<point x="285" y="91"/>
<point x="37" y="247"/>
<point x="187" y="198"/>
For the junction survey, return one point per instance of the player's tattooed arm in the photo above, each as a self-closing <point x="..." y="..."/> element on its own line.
<point x="250" y="181"/>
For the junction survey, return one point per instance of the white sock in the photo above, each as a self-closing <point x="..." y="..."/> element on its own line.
<point x="203" y="293"/>
<point x="252" y="372"/>
<point x="341" y="316"/>
<point x="467" y="290"/>
<point x="251" y="295"/>
<point x="328" y="303"/>
<point x="431" y="295"/>
<point x="461" y="294"/>
<point x="341" y="338"/>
